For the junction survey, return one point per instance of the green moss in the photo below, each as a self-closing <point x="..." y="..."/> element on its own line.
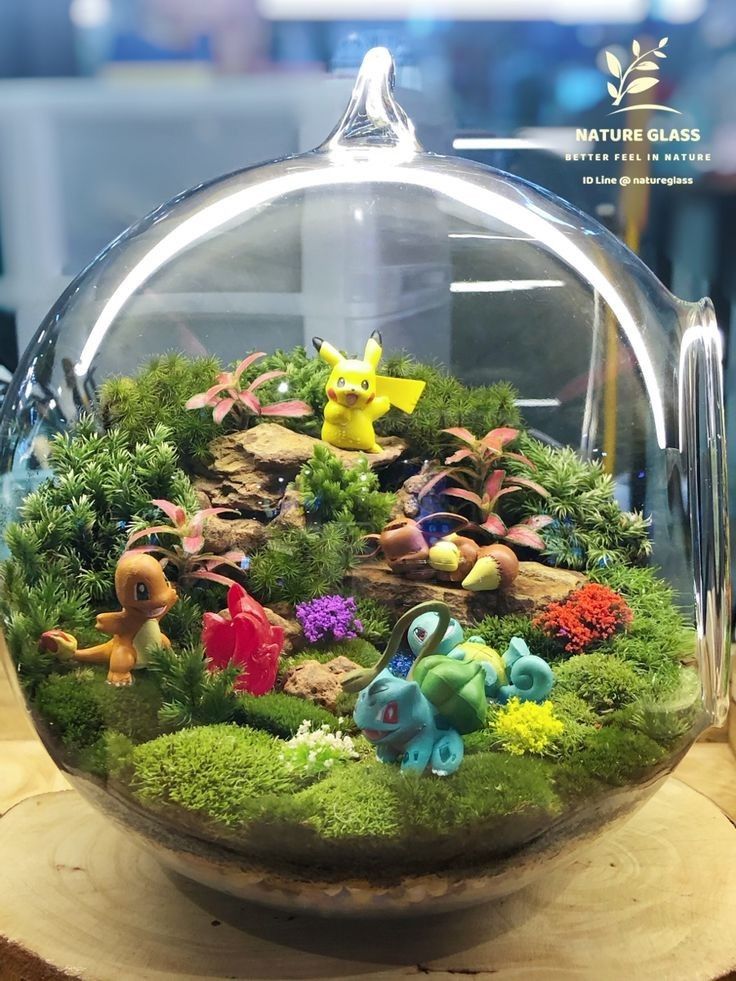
<point x="217" y="771"/>
<point x="602" y="680"/>
<point x="331" y="490"/>
<point x="570" y="707"/>
<point x="486" y="785"/>
<point x="658" y="638"/>
<point x="110" y="755"/>
<point x="158" y="394"/>
<point x="80" y="707"/>
<point x="480" y="741"/>
<point x="374" y="800"/>
<point x="345" y="704"/>
<point x="353" y="801"/>
<point x="669" y="720"/>
<point x="376" y="619"/>
<point x="298" y="564"/>
<point x="445" y="402"/>
<point x="614" y="756"/>
<point x="282" y="714"/>
<point x="497" y="632"/>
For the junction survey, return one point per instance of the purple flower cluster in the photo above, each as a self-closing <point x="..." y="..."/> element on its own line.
<point x="329" y="618"/>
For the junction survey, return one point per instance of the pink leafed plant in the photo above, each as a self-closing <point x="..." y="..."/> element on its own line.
<point x="186" y="555"/>
<point x="227" y="395"/>
<point x="243" y="635"/>
<point x="477" y="470"/>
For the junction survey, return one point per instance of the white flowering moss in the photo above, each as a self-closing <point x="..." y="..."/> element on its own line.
<point x="314" y="752"/>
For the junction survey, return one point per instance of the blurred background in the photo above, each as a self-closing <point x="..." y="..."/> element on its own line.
<point x="108" y="107"/>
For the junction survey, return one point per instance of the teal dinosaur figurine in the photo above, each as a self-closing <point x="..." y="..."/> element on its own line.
<point x="415" y="721"/>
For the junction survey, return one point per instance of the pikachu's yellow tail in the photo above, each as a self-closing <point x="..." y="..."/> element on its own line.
<point x="404" y="393"/>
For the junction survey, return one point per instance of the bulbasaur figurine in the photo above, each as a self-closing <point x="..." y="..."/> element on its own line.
<point x="420" y="720"/>
<point x="405" y="727"/>
<point x="357" y="396"/>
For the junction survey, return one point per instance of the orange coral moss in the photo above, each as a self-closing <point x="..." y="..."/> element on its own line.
<point x="588" y="616"/>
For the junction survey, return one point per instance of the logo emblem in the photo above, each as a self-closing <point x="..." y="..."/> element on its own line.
<point x="636" y="78"/>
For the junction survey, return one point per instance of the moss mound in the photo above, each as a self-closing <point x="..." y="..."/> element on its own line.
<point x="80" y="707"/>
<point x="603" y="681"/>
<point x="615" y="756"/>
<point x="281" y="714"/>
<point x="217" y="771"/>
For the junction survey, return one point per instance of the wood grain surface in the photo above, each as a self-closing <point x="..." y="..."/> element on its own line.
<point x="655" y="898"/>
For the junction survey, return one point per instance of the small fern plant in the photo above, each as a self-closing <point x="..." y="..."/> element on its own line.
<point x="331" y="490"/>
<point x="192" y="693"/>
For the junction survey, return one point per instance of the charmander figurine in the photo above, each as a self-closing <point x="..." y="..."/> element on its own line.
<point x="146" y="596"/>
<point x="357" y="396"/>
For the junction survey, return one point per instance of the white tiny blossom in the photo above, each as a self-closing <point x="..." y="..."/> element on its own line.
<point x="317" y="750"/>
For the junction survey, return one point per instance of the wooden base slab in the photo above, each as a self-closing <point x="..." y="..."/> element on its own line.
<point x="654" y="899"/>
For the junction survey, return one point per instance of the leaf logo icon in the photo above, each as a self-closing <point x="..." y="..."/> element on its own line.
<point x="628" y="81"/>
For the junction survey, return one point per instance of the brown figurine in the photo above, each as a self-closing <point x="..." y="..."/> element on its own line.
<point x="404" y="547"/>
<point x="146" y="596"/>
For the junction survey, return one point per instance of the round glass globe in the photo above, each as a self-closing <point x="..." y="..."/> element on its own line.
<point x="507" y="421"/>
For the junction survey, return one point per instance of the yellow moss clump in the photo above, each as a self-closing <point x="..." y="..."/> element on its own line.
<point x="525" y="727"/>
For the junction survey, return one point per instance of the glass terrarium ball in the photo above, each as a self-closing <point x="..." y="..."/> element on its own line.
<point x="365" y="530"/>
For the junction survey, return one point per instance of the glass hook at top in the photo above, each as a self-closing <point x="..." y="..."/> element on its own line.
<point x="373" y="117"/>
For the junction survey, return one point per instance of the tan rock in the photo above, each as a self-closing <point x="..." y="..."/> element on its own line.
<point x="317" y="682"/>
<point x="223" y="535"/>
<point x="294" y="638"/>
<point x="291" y="513"/>
<point x="407" y="502"/>
<point x="251" y="469"/>
<point x="535" y="587"/>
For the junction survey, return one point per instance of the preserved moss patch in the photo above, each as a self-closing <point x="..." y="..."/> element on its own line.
<point x="282" y="714"/>
<point x="80" y="707"/>
<point x="615" y="756"/>
<point x="603" y="681"/>
<point x="221" y="772"/>
<point x="110" y="755"/>
<point x="218" y="771"/>
<point x="373" y="800"/>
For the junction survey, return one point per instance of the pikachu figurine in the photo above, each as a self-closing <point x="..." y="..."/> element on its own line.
<point x="357" y="396"/>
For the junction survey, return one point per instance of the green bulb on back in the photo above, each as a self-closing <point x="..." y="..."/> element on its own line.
<point x="455" y="688"/>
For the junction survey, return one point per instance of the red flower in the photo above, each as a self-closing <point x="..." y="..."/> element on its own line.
<point x="245" y="636"/>
<point x="588" y="616"/>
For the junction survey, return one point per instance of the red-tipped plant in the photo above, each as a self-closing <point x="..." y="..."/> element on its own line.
<point x="477" y="469"/>
<point x="228" y="395"/>
<point x="186" y="555"/>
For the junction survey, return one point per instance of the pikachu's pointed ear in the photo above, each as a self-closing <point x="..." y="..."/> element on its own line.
<point x="326" y="351"/>
<point x="373" y="350"/>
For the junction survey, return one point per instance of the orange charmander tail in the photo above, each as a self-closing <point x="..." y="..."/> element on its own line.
<point x="64" y="646"/>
